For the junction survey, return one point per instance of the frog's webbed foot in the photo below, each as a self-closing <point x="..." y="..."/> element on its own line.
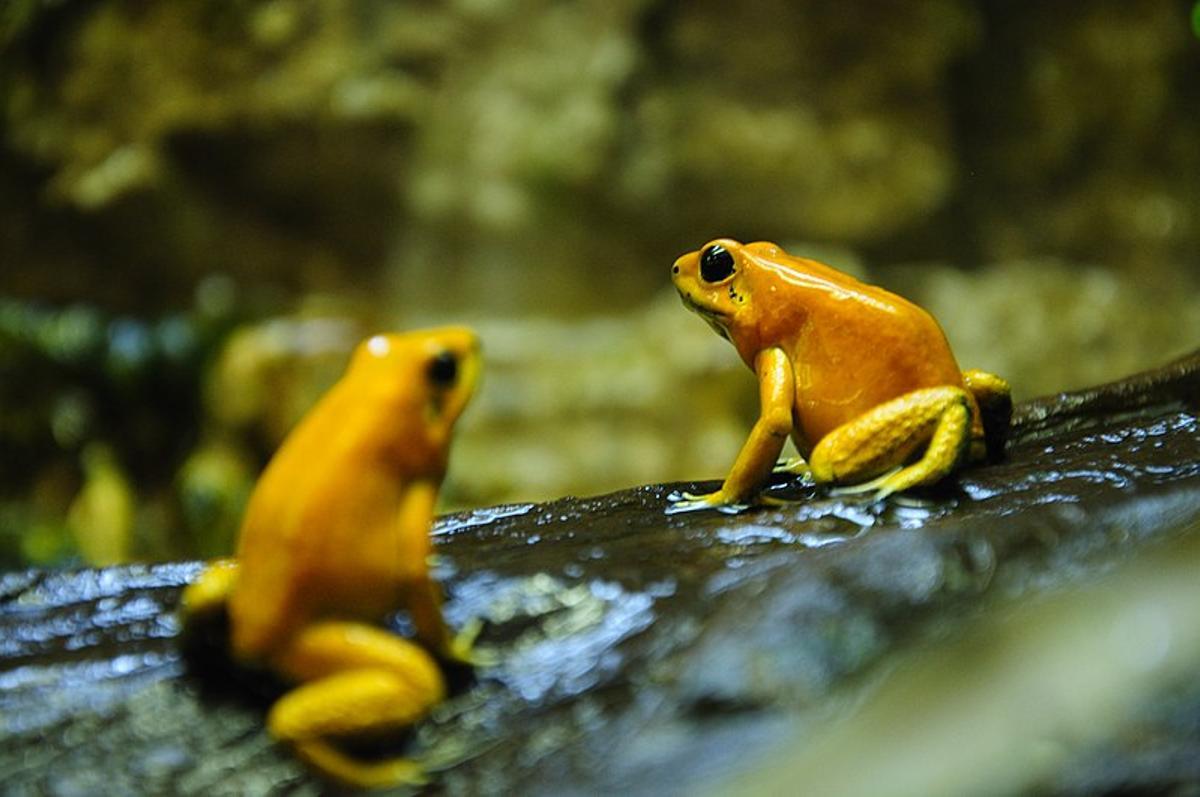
<point x="796" y="466"/>
<point x="333" y="763"/>
<point x="882" y="486"/>
<point x="692" y="502"/>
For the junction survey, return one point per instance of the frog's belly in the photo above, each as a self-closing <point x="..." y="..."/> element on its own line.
<point x="262" y="618"/>
<point x="364" y="590"/>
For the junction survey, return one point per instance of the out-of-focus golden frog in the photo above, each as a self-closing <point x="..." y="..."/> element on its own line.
<point x="862" y="379"/>
<point x="336" y="537"/>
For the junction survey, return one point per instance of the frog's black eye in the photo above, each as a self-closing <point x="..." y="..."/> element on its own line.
<point x="716" y="263"/>
<point x="443" y="369"/>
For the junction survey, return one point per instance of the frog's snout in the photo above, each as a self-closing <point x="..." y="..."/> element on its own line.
<point x="678" y="267"/>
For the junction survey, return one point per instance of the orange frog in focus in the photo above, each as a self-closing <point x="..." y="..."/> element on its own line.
<point x="335" y="538"/>
<point x="862" y="380"/>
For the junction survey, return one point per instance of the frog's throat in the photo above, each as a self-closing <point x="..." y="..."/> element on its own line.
<point x="718" y="321"/>
<point x="709" y="315"/>
<point x="719" y="328"/>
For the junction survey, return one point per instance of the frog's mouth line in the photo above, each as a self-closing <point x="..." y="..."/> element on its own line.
<point x="718" y="321"/>
<point x="707" y="313"/>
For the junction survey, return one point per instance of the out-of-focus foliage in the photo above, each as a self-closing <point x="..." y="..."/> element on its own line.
<point x="533" y="167"/>
<point x="96" y="412"/>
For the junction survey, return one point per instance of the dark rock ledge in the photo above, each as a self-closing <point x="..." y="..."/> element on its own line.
<point x="650" y="653"/>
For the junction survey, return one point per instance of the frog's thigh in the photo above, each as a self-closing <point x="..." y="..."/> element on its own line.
<point x="886" y="437"/>
<point x="994" y="397"/>
<point x="357" y="679"/>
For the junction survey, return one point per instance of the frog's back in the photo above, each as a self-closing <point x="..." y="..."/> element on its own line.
<point x="859" y="346"/>
<point x="274" y="551"/>
<point x="292" y="533"/>
<point x="831" y="320"/>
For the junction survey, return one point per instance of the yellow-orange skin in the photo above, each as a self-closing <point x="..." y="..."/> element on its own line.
<point x="335" y="538"/>
<point x="829" y="351"/>
<point x="338" y="524"/>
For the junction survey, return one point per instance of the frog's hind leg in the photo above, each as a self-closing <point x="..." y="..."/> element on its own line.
<point x="207" y="595"/>
<point x="357" y="680"/>
<point x="994" y="397"/>
<point x="875" y="451"/>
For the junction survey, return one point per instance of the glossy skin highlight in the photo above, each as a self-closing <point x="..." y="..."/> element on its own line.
<point x="862" y="380"/>
<point x="335" y="538"/>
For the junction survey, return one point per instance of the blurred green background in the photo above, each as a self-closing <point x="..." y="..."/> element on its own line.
<point x="205" y="203"/>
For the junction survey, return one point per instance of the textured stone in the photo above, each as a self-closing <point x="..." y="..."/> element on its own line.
<point x="647" y="652"/>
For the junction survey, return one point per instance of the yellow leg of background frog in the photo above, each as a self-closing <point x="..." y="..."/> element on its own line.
<point x="356" y="680"/>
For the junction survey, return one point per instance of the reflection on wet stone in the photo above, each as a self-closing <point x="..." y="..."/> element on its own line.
<point x="647" y="653"/>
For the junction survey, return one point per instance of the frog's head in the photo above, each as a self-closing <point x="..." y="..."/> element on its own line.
<point x="420" y="380"/>
<point x="711" y="281"/>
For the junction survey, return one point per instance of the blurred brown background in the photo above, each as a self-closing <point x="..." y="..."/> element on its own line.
<point x="203" y="204"/>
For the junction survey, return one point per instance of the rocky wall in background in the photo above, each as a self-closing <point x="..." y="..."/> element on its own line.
<point x="1079" y="123"/>
<point x="554" y="155"/>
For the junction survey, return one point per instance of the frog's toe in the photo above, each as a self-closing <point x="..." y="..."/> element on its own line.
<point x="478" y="658"/>
<point x="796" y="466"/>
<point x="690" y="502"/>
<point x="881" y="486"/>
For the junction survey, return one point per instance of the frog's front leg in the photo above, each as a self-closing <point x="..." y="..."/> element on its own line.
<point x="356" y="680"/>
<point x="422" y="595"/>
<point x="751" y="469"/>
<point x="884" y="439"/>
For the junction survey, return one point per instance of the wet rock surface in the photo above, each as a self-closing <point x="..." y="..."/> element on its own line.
<point x="647" y="652"/>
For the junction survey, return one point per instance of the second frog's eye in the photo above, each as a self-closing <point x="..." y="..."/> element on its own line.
<point x="443" y="369"/>
<point x="716" y="263"/>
